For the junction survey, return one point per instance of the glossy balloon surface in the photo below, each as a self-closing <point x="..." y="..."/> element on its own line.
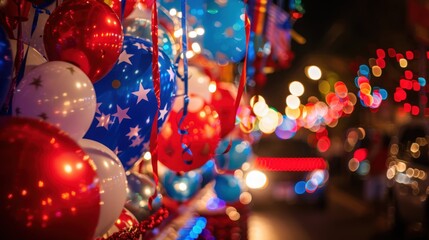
<point x="126" y="102"/>
<point x="227" y="188"/>
<point x="140" y="189"/>
<point x="59" y="93"/>
<point x="50" y="188"/>
<point x="113" y="183"/>
<point x="86" y="33"/>
<point x="185" y="152"/>
<point x="181" y="187"/>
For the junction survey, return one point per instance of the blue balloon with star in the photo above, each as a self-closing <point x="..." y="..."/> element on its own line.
<point x="126" y="101"/>
<point x="225" y="34"/>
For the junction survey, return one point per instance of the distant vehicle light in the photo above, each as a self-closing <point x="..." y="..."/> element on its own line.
<point x="256" y="179"/>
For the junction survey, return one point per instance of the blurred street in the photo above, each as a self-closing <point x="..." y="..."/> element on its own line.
<point x="345" y="217"/>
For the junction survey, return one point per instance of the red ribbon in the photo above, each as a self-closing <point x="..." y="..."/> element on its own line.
<point x="18" y="61"/>
<point x="244" y="67"/>
<point x="242" y="78"/>
<point x="157" y="85"/>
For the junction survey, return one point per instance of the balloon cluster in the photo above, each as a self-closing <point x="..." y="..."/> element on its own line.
<point x="80" y="94"/>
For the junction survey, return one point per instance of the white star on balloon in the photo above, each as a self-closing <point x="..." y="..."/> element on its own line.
<point x="125" y="57"/>
<point x="140" y="46"/>
<point x="134" y="132"/>
<point x="103" y="121"/>
<point x="141" y="93"/>
<point x="171" y="72"/>
<point x="121" y="114"/>
<point x="163" y="112"/>
<point x="136" y="141"/>
<point x="97" y="110"/>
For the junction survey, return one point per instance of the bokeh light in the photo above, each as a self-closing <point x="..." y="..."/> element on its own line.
<point x="296" y="88"/>
<point x="293" y="101"/>
<point x="313" y="72"/>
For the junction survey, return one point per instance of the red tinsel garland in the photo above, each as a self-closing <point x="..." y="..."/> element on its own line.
<point x="144" y="227"/>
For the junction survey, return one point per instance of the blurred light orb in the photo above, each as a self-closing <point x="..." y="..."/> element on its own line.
<point x="353" y="165"/>
<point x="255" y="99"/>
<point x="256" y="179"/>
<point x="293" y="101"/>
<point x="287" y="129"/>
<point x="313" y="72"/>
<point x="296" y="88"/>
<point x="300" y="187"/>
<point x="260" y="109"/>
<point x="324" y="87"/>
<point x="292" y="113"/>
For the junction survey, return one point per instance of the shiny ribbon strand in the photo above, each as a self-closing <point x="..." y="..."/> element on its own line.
<point x="123" y="4"/>
<point x="243" y="76"/>
<point x="157" y="86"/>
<point x="18" y="60"/>
<point x="186" y="151"/>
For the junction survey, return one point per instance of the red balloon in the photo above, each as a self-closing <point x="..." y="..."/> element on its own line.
<point x="17" y="9"/>
<point x="86" y="33"/>
<point x="203" y="135"/>
<point x="49" y="187"/>
<point x="12" y="12"/>
<point x="116" y="6"/>
<point x="223" y="101"/>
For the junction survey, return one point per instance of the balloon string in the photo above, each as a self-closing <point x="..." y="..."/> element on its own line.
<point x="123" y="4"/>
<point x="18" y="60"/>
<point x="156" y="83"/>
<point x="186" y="151"/>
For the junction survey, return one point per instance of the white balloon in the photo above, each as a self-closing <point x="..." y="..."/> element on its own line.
<point x="198" y="84"/>
<point x="113" y="183"/>
<point x="59" y="93"/>
<point x="34" y="58"/>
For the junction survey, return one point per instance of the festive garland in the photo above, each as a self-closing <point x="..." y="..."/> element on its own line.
<point x="144" y="227"/>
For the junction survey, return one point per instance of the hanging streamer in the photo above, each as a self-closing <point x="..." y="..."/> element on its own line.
<point x="156" y="84"/>
<point x="123" y="4"/>
<point x="186" y="151"/>
<point x="244" y="67"/>
<point x="17" y="61"/>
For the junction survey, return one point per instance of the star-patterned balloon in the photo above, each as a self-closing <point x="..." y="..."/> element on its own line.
<point x="59" y="93"/>
<point x="126" y="102"/>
